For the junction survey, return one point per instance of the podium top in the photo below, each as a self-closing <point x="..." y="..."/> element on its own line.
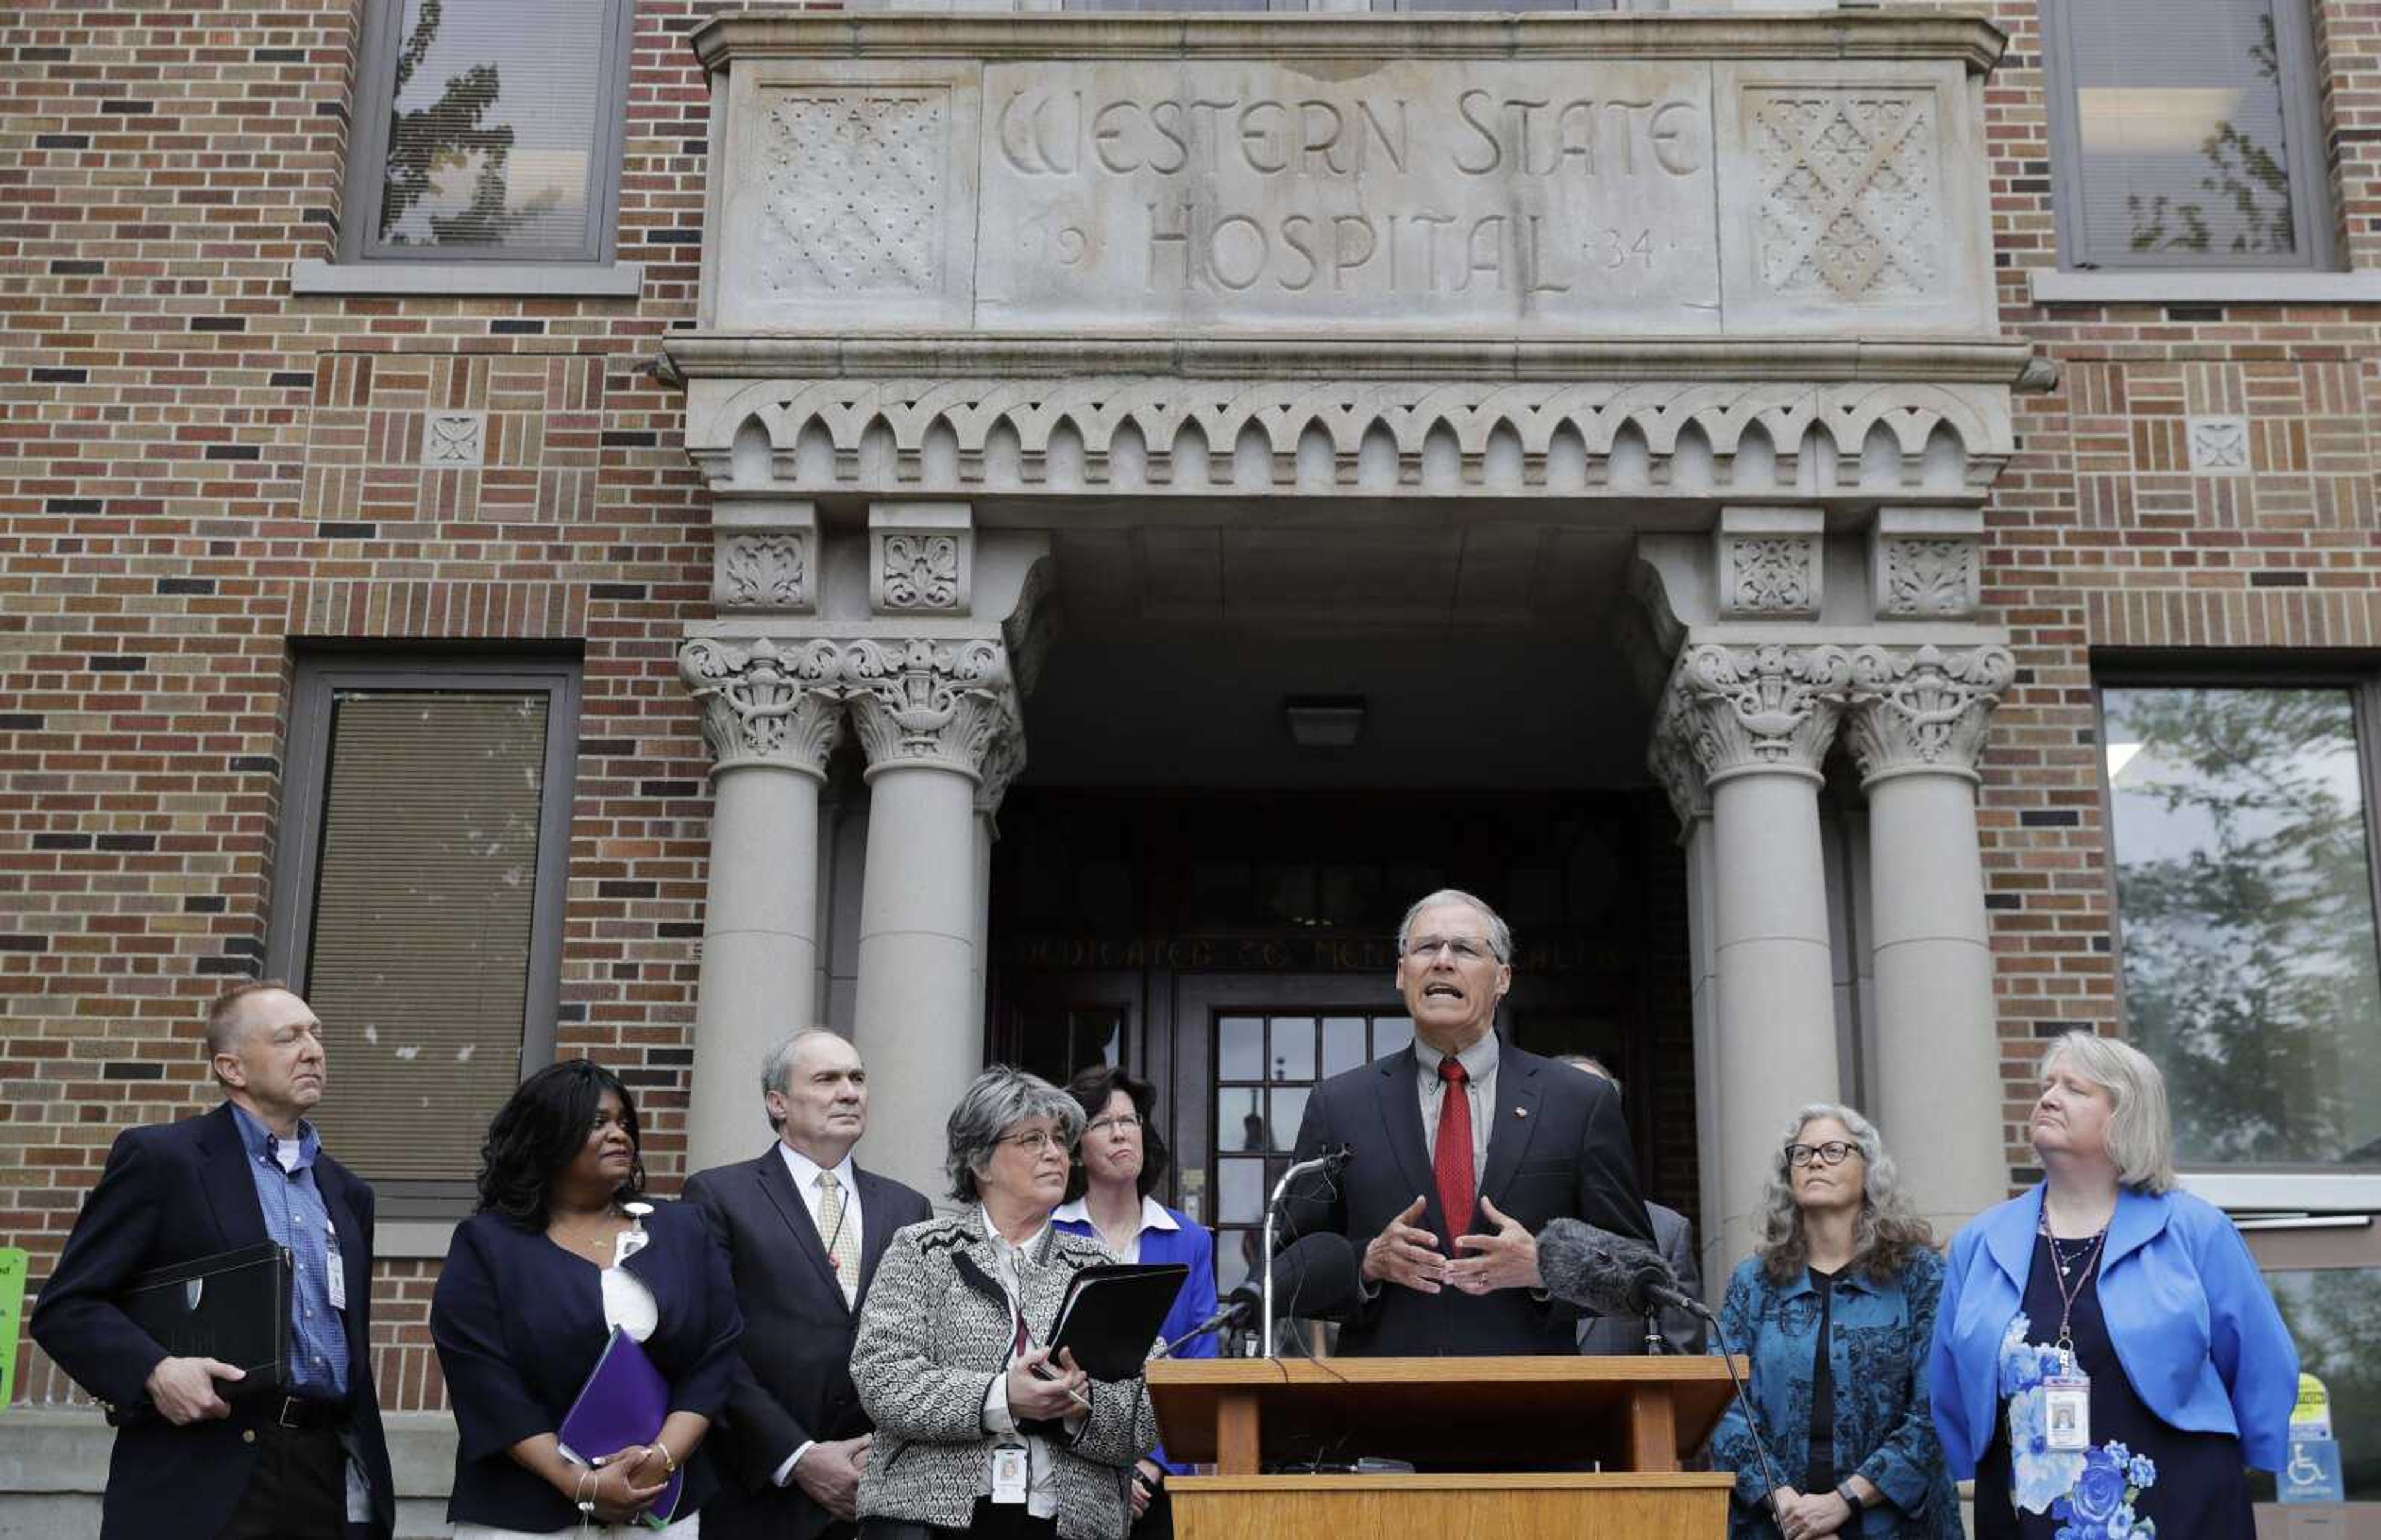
<point x="1493" y="1412"/>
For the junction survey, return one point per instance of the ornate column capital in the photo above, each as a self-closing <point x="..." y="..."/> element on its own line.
<point x="939" y="702"/>
<point x="762" y="704"/>
<point x="1670" y="756"/>
<point x="1762" y="708"/>
<point x="1922" y="710"/>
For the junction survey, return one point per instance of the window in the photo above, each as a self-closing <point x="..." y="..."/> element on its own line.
<point x="1266" y="1066"/>
<point x="487" y="130"/>
<point x="2241" y="820"/>
<point x="418" y="903"/>
<point x="2186" y="134"/>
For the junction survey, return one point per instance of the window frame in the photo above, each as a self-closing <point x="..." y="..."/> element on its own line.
<point x="363" y="178"/>
<point x="317" y="678"/>
<point x="2312" y="199"/>
<point x="2277" y="1188"/>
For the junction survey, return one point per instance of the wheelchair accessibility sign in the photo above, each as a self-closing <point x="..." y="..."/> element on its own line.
<point x="2311" y="1473"/>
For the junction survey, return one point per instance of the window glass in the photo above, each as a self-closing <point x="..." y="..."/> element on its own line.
<point x="2335" y="1317"/>
<point x="2244" y="895"/>
<point x="2181" y="132"/>
<point x="418" y="962"/>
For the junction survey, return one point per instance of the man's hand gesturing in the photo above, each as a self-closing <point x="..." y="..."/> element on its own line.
<point x="1402" y="1253"/>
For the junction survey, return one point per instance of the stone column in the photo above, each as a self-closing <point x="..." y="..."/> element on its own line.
<point x="770" y="717"/>
<point x="1914" y="719"/>
<point x="1675" y="767"/>
<point x="1003" y="761"/>
<point x="929" y="714"/>
<point x="1758" y="721"/>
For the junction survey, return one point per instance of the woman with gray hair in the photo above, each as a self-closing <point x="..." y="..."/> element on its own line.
<point x="1836" y="1308"/>
<point x="969" y="1439"/>
<point x="2107" y="1360"/>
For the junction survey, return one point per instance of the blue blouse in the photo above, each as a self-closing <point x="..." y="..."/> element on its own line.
<point x="1188" y="1241"/>
<point x="1877" y="1356"/>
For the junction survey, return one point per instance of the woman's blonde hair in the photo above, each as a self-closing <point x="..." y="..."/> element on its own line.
<point x="2141" y="1131"/>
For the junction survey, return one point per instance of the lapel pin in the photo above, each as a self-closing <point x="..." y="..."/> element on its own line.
<point x="1520" y="1112"/>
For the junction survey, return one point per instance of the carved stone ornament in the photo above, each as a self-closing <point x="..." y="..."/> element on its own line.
<point x="765" y="704"/>
<point x="1850" y="195"/>
<point x="1669" y="755"/>
<point x="929" y="437"/>
<point x="1922" y="709"/>
<point x="1003" y="761"/>
<point x="929" y="703"/>
<point x="920" y="571"/>
<point x="1764" y="707"/>
<point x="763" y="570"/>
<point x="1929" y="578"/>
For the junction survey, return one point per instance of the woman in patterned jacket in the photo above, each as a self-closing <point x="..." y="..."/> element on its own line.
<point x="1836" y="1308"/>
<point x="969" y="1441"/>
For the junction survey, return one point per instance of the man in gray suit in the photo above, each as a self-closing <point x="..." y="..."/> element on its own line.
<point x="1674" y="1239"/>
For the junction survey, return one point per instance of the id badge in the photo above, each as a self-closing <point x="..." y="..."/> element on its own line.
<point x="335" y="1276"/>
<point x="2066" y="1414"/>
<point x="1010" y="1465"/>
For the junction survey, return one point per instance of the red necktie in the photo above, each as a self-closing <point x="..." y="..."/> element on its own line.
<point x="1451" y="1162"/>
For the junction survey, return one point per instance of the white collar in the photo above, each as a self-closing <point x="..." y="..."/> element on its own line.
<point x="805" y="1171"/>
<point x="1000" y="1243"/>
<point x="1153" y="1215"/>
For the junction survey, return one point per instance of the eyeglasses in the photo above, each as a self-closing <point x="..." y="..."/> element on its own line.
<point x="1034" y="1143"/>
<point x="1463" y="948"/>
<point x="1123" y="1122"/>
<point x="1832" y="1153"/>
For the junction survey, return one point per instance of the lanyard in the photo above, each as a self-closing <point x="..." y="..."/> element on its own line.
<point x="2060" y="1267"/>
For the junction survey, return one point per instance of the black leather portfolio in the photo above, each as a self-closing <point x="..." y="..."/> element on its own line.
<point x="233" y="1306"/>
<point x="1112" y="1314"/>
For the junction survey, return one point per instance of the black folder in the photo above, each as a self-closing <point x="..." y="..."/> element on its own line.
<point x="233" y="1306"/>
<point x="1113" y="1313"/>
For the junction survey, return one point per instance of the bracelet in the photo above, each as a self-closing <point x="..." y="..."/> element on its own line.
<point x="669" y="1465"/>
<point x="583" y="1498"/>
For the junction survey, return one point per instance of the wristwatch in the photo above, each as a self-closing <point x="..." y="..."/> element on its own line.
<point x="1851" y="1498"/>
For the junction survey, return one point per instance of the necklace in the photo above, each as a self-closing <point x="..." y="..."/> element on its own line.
<point x="2068" y="1265"/>
<point x="596" y="1243"/>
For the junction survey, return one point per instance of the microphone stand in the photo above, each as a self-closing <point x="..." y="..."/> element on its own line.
<point x="1320" y="1162"/>
<point x="1751" y="1416"/>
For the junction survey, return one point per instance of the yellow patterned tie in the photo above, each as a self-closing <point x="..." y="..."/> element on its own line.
<point x="842" y="1246"/>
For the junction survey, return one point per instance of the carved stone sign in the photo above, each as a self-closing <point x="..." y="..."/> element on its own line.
<point x="1496" y="195"/>
<point x="1755" y="181"/>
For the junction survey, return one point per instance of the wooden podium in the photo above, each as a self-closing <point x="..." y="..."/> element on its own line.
<point x="1514" y="1419"/>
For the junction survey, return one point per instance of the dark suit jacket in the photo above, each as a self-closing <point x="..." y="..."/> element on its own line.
<point x="1557" y="1146"/>
<point x="1684" y="1333"/>
<point x="793" y="1377"/>
<point x="170" y="1195"/>
<point x="519" y="1325"/>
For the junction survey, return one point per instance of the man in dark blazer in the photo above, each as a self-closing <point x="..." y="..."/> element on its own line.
<point x="194" y="1455"/>
<point x="1464" y="1147"/>
<point x="803" y="1228"/>
<point x="1673" y="1238"/>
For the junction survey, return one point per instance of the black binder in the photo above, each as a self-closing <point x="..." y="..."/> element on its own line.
<point x="233" y="1306"/>
<point x="1113" y="1313"/>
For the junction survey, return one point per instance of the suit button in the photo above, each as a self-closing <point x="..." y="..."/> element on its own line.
<point x="247" y="1435"/>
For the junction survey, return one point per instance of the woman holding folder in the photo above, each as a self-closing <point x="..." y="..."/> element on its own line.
<point x="561" y="1253"/>
<point x="969" y="1437"/>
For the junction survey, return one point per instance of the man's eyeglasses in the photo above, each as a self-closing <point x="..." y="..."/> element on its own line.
<point x="1832" y="1153"/>
<point x="1124" y="1122"/>
<point x="1463" y="948"/>
<point x="1034" y="1143"/>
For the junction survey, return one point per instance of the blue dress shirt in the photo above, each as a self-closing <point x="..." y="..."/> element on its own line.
<point x="296" y="1216"/>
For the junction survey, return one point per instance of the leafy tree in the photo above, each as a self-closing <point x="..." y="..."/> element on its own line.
<point x="427" y="143"/>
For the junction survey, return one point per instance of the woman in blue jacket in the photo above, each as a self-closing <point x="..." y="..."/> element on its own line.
<point x="561" y="1253"/>
<point x="1836" y="1309"/>
<point x="2107" y="1358"/>
<point x="1118" y="1165"/>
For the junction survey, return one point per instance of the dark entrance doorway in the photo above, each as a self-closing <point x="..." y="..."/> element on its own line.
<point x="1236" y="948"/>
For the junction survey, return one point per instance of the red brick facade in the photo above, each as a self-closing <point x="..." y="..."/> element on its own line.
<point x="198" y="467"/>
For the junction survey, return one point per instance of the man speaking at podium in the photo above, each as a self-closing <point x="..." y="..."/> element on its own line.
<point x="1463" y="1148"/>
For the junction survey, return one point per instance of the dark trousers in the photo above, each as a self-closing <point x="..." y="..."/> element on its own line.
<point x="992" y="1522"/>
<point x="299" y="1490"/>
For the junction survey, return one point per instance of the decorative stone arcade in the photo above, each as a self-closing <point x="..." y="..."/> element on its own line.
<point x="1722" y="279"/>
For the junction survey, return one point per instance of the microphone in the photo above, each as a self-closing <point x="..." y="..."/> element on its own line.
<point x="1609" y="1274"/>
<point x="1317" y="1274"/>
<point x="1330" y="1163"/>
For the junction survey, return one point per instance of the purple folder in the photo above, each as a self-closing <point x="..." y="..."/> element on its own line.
<point x="623" y="1402"/>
